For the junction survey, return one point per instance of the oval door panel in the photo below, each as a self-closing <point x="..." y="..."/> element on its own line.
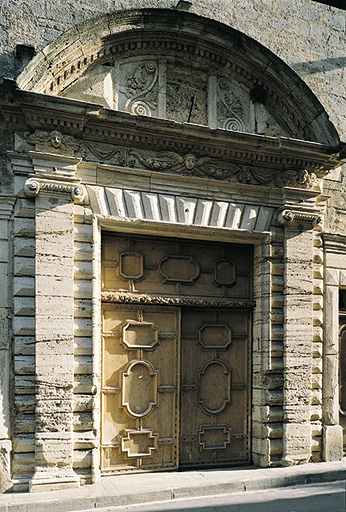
<point x="214" y="385"/>
<point x="139" y="387"/>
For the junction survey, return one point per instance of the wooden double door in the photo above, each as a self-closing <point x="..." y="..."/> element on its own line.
<point x="175" y="383"/>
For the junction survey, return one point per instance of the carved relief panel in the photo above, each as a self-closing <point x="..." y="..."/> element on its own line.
<point x="167" y="86"/>
<point x="137" y="87"/>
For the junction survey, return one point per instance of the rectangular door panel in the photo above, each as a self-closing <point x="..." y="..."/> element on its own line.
<point x="214" y="387"/>
<point x="140" y="380"/>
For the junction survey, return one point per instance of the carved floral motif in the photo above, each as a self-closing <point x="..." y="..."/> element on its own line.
<point x="174" y="301"/>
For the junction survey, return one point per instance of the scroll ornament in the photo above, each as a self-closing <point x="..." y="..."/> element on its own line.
<point x="34" y="185"/>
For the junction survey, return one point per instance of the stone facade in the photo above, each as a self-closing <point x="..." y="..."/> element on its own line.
<point x="215" y="122"/>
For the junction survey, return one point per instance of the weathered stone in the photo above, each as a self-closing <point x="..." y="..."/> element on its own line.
<point x="332" y="443"/>
<point x="191" y="131"/>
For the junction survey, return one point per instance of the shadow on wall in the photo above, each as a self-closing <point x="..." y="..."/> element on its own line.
<point x="319" y="66"/>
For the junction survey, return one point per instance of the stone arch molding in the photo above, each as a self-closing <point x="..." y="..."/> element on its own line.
<point x="152" y="62"/>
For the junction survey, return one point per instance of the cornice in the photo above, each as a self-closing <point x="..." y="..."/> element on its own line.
<point x="93" y="124"/>
<point x="334" y="243"/>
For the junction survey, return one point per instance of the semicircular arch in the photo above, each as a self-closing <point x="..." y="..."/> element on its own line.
<point x="154" y="61"/>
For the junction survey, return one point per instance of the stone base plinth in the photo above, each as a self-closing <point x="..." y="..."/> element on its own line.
<point x="5" y="464"/>
<point x="53" y="479"/>
<point x="332" y="443"/>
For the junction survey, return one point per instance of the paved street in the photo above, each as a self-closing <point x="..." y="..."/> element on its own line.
<point x="328" y="497"/>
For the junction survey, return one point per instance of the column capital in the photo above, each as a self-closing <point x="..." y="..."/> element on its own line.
<point x="56" y="174"/>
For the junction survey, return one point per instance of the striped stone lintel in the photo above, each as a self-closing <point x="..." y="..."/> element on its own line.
<point x="138" y="205"/>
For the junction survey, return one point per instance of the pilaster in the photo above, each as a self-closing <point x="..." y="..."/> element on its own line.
<point x="298" y="333"/>
<point x="6" y="208"/>
<point x="54" y="301"/>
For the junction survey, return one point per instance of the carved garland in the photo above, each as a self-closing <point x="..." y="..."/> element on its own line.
<point x="174" y="301"/>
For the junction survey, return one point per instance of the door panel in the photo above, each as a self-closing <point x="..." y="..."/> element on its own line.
<point x="140" y="379"/>
<point x="143" y="426"/>
<point x="214" y="387"/>
<point x="176" y="268"/>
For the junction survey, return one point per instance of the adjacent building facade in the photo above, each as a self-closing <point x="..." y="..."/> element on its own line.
<point x="172" y="233"/>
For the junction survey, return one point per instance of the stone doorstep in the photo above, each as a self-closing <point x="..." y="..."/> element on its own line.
<point x="257" y="479"/>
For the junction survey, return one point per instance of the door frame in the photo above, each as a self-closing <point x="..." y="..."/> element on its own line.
<point x="256" y="242"/>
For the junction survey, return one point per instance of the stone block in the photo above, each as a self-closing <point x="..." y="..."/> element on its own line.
<point x="23" y="325"/>
<point x="24" y="227"/>
<point x="296" y="443"/>
<point x="5" y="465"/>
<point x="332" y="443"/>
<point x="24" y="306"/>
<point x="24" y="266"/>
<point x="24" y="247"/>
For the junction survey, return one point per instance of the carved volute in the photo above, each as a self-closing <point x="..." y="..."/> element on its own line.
<point x="156" y="63"/>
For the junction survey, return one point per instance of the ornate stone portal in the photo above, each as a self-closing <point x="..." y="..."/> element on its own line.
<point x="246" y="174"/>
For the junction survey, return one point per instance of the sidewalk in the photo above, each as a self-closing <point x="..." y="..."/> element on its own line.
<point x="146" y="487"/>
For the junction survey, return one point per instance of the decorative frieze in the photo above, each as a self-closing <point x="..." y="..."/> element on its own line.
<point x="131" y="298"/>
<point x="53" y="142"/>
